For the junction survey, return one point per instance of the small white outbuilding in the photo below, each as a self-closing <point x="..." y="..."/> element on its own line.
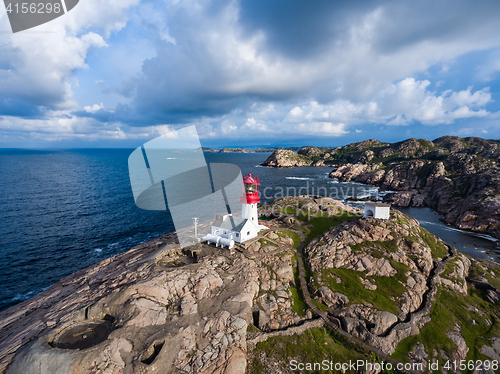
<point x="234" y="228"/>
<point x="377" y="210"/>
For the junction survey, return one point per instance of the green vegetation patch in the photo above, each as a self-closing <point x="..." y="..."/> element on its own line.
<point x="306" y="230"/>
<point x="322" y="224"/>
<point x="426" y="145"/>
<point x="493" y="279"/>
<point x="402" y="269"/>
<point x="424" y="172"/>
<point x="448" y="310"/>
<point x="252" y="328"/>
<point x="383" y="298"/>
<point x="386" y="160"/>
<point x="492" y="274"/>
<point x="291" y="234"/>
<point x="390" y="246"/>
<point x="451" y="266"/>
<point x="438" y="249"/>
<point x="265" y="242"/>
<point x="314" y="345"/>
<point x="299" y="305"/>
<point x="287" y="210"/>
<point x="345" y="154"/>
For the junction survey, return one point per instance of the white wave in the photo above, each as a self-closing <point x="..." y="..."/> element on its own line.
<point x="300" y="178"/>
<point x="334" y="180"/>
<point x="450" y="228"/>
<point x="99" y="250"/>
<point x="358" y="183"/>
<point x="483" y="236"/>
<point x="383" y="193"/>
<point x="363" y="195"/>
<point x="27" y="295"/>
<point x="429" y="223"/>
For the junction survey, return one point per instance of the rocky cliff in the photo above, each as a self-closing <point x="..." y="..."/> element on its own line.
<point x="458" y="177"/>
<point x="202" y="309"/>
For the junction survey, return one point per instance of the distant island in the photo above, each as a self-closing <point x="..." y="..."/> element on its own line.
<point x="457" y="177"/>
<point x="246" y="150"/>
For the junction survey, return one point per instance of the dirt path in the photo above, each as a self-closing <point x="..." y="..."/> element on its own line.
<point x="333" y="322"/>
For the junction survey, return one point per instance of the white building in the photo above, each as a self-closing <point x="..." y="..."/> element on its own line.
<point x="235" y="228"/>
<point x="377" y="210"/>
<point x="228" y="229"/>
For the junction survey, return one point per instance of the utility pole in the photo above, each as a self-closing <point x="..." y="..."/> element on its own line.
<point x="195" y="221"/>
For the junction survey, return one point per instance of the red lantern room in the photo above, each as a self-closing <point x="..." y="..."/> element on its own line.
<point x="251" y="190"/>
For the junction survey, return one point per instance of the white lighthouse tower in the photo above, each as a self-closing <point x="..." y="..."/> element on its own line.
<point x="228" y="229"/>
<point x="250" y="199"/>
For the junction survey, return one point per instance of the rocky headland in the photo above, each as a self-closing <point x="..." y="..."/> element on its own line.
<point x="457" y="177"/>
<point x="323" y="283"/>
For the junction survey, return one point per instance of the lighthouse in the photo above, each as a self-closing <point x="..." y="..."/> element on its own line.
<point x="228" y="229"/>
<point x="250" y="199"/>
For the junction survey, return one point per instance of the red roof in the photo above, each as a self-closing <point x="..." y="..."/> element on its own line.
<point x="249" y="179"/>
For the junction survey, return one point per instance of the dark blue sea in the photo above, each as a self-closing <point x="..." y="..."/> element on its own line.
<point x="62" y="211"/>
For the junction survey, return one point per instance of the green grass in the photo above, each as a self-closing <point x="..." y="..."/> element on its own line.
<point x="288" y="211"/>
<point x="425" y="144"/>
<point x="438" y="249"/>
<point x="265" y="242"/>
<point x="299" y="305"/>
<point x="322" y="307"/>
<point x="314" y="345"/>
<point x="404" y="347"/>
<point x="390" y="246"/>
<point x="402" y="269"/>
<point x="357" y="293"/>
<point x="386" y="160"/>
<point x="478" y="269"/>
<point x="293" y="235"/>
<point x="401" y="219"/>
<point x="494" y="280"/>
<point x="424" y="172"/>
<point x="252" y="328"/>
<point x="450" y="309"/>
<point x="322" y="224"/>
<point x="449" y="269"/>
<point x="306" y="230"/>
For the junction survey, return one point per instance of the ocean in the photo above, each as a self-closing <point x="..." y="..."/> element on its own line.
<point x="64" y="210"/>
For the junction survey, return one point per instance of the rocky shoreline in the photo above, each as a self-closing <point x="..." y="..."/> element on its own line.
<point x="457" y="177"/>
<point x="201" y="309"/>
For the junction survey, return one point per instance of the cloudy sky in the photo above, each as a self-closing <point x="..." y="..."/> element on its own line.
<point x="117" y="73"/>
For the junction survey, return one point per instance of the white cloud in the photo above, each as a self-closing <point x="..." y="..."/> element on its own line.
<point x="94" y="108"/>
<point x="399" y="104"/>
<point x="211" y="69"/>
<point x="321" y="129"/>
<point x="42" y="60"/>
<point x="409" y="100"/>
